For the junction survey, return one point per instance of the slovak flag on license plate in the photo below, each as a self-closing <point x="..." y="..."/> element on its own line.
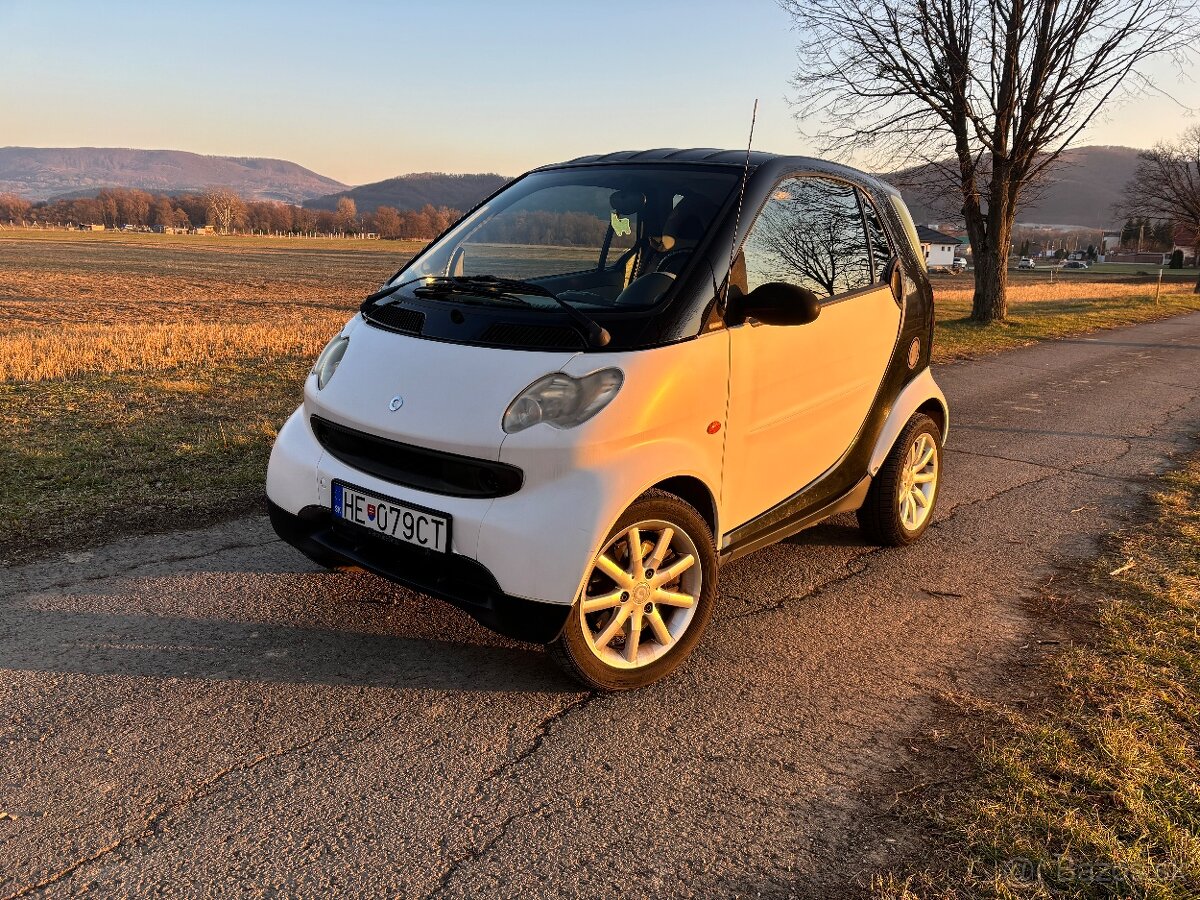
<point x="371" y="511"/>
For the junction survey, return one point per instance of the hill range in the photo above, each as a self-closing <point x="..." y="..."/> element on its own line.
<point x="407" y="192"/>
<point x="1081" y="191"/>
<point x="42" y="173"/>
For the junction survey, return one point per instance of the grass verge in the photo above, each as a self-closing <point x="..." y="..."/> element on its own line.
<point x="1096" y="792"/>
<point x="101" y="455"/>
<point x="1051" y="312"/>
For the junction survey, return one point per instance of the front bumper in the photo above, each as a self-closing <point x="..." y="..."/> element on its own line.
<point x="448" y="576"/>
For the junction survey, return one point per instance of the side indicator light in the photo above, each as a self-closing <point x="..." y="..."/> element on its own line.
<point x="714" y="427"/>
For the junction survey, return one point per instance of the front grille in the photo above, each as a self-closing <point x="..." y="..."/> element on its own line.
<point x="434" y="471"/>
<point x="510" y="334"/>
<point x="396" y="318"/>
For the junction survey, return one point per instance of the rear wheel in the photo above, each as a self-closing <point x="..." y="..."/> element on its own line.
<point x="647" y="600"/>
<point x="899" y="505"/>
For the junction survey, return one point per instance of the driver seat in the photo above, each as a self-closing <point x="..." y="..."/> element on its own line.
<point x="682" y="231"/>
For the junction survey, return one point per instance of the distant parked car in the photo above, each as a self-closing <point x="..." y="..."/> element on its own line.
<point x="1026" y="263"/>
<point x="959" y="264"/>
<point x="1074" y="264"/>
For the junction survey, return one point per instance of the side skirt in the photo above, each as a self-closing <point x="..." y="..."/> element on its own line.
<point x="788" y="518"/>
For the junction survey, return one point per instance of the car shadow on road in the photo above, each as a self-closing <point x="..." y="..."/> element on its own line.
<point x="840" y="531"/>
<point x="141" y="645"/>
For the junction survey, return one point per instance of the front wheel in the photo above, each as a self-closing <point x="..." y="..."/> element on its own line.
<point x="648" y="597"/>
<point x="899" y="504"/>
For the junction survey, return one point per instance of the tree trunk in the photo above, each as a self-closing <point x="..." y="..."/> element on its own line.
<point x="990" y="303"/>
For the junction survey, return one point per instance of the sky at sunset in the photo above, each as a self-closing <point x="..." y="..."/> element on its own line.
<point x="362" y="91"/>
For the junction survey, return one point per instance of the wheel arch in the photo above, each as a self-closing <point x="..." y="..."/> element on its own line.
<point x="920" y="395"/>
<point x="694" y="492"/>
<point x="936" y="410"/>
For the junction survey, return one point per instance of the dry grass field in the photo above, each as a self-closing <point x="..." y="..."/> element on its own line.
<point x="142" y="377"/>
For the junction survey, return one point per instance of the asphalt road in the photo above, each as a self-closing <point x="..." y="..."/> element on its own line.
<point x="202" y="713"/>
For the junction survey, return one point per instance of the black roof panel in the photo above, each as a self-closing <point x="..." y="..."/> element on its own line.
<point x="671" y="154"/>
<point x="708" y="155"/>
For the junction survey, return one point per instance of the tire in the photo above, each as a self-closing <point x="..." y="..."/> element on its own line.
<point x="595" y="646"/>
<point x="884" y="518"/>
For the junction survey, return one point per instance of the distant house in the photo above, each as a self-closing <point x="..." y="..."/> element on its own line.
<point x="1186" y="239"/>
<point x="938" y="247"/>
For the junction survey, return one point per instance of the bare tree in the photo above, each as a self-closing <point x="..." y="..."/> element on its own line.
<point x="387" y="221"/>
<point x="162" y="213"/>
<point x="225" y="208"/>
<point x="13" y="209"/>
<point x="346" y="216"/>
<point x="986" y="93"/>
<point x="1166" y="186"/>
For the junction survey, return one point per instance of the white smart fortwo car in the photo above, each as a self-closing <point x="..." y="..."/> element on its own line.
<point x="612" y="377"/>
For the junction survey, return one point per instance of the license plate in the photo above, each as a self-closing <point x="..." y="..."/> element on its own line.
<point x="391" y="518"/>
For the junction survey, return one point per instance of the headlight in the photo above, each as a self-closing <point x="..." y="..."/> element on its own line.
<point x="327" y="362"/>
<point x="562" y="401"/>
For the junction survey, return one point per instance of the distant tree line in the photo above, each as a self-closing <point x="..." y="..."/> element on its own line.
<point x="543" y="227"/>
<point x="1152" y="235"/>
<point x="226" y="212"/>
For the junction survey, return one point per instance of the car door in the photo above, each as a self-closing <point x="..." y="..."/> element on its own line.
<point x="799" y="394"/>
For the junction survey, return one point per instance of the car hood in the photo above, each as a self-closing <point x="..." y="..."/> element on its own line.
<point x="451" y="397"/>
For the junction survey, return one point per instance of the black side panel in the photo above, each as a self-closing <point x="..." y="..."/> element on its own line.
<point x="789" y="517"/>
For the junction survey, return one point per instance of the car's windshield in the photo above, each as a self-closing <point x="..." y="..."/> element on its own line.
<point x="596" y="237"/>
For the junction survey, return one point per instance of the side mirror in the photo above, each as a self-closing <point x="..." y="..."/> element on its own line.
<point x="780" y="303"/>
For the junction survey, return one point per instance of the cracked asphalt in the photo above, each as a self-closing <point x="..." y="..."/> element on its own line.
<point x="202" y="713"/>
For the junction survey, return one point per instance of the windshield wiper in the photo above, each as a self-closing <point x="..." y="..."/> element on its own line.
<point x="435" y="284"/>
<point x="385" y="292"/>
<point x="442" y="286"/>
<point x="589" y="329"/>
<point x="496" y="288"/>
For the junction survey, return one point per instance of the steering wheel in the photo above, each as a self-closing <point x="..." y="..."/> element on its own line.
<point x="668" y="260"/>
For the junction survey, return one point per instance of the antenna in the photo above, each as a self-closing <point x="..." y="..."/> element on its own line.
<point x="737" y="222"/>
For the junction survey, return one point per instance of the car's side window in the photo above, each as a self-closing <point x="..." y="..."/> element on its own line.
<point x="881" y="248"/>
<point x="810" y="233"/>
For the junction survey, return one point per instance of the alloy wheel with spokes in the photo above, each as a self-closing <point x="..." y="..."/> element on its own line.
<point x="646" y="599"/>
<point x="900" y="501"/>
<point x="641" y="594"/>
<point x="919" y="481"/>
